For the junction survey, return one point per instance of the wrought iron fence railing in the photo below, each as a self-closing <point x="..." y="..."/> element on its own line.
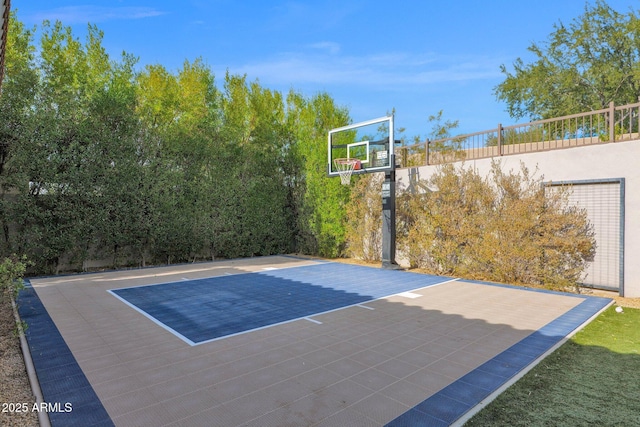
<point x="612" y="124"/>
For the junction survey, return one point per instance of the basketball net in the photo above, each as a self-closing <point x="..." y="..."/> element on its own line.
<point x="345" y="168"/>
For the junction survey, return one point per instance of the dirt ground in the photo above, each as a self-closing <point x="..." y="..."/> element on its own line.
<point x="15" y="387"/>
<point x="15" y="390"/>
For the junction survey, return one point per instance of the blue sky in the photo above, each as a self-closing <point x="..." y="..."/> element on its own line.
<point x="418" y="57"/>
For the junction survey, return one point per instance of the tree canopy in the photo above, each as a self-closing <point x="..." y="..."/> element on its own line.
<point x="582" y="66"/>
<point x="102" y="159"/>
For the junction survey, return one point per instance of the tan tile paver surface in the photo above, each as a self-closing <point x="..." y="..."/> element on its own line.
<point x="362" y="365"/>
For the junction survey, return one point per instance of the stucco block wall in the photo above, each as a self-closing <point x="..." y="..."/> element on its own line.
<point x="606" y="161"/>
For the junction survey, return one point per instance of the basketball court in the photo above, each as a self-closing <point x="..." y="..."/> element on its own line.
<point x="284" y="341"/>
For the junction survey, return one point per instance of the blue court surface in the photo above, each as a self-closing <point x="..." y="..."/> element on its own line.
<point x="285" y="341"/>
<point x="202" y="310"/>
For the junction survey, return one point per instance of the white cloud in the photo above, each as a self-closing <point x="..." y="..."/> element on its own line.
<point x="330" y="47"/>
<point x="387" y="70"/>
<point x="93" y="14"/>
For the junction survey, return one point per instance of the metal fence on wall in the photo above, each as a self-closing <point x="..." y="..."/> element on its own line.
<point x="603" y="201"/>
<point x="612" y="124"/>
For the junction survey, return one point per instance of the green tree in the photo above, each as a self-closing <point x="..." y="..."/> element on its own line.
<point x="322" y="216"/>
<point x="97" y="160"/>
<point x="255" y="216"/>
<point x="50" y="160"/>
<point x="178" y="112"/>
<point x="582" y="66"/>
<point x="71" y="139"/>
<point x="17" y="96"/>
<point x="443" y="146"/>
<point x="117" y="224"/>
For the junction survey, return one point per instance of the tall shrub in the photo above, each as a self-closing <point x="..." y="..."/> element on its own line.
<point x="100" y="161"/>
<point x="12" y="271"/>
<point x="502" y="228"/>
<point x="364" y="218"/>
<point x="322" y="214"/>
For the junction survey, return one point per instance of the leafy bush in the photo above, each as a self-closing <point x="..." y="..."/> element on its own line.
<point x="364" y="218"/>
<point x="11" y="272"/>
<point x="502" y="228"/>
<point x="101" y="164"/>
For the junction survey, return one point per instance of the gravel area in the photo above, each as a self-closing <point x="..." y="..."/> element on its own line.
<point x="15" y="390"/>
<point x="623" y="302"/>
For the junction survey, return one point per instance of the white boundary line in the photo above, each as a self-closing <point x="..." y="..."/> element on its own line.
<point x="409" y="295"/>
<point x="153" y="319"/>
<point x="484" y="402"/>
<point x="226" y="273"/>
<point x="308" y="317"/>
<point x="436" y="284"/>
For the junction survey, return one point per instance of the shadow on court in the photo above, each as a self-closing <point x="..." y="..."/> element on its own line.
<point x="388" y="357"/>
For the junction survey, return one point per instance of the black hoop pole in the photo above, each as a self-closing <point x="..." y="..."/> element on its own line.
<point x="389" y="219"/>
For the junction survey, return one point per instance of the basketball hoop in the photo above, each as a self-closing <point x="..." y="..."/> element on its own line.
<point x="345" y="168"/>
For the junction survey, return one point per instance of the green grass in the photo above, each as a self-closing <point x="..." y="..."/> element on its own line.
<point x="591" y="380"/>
